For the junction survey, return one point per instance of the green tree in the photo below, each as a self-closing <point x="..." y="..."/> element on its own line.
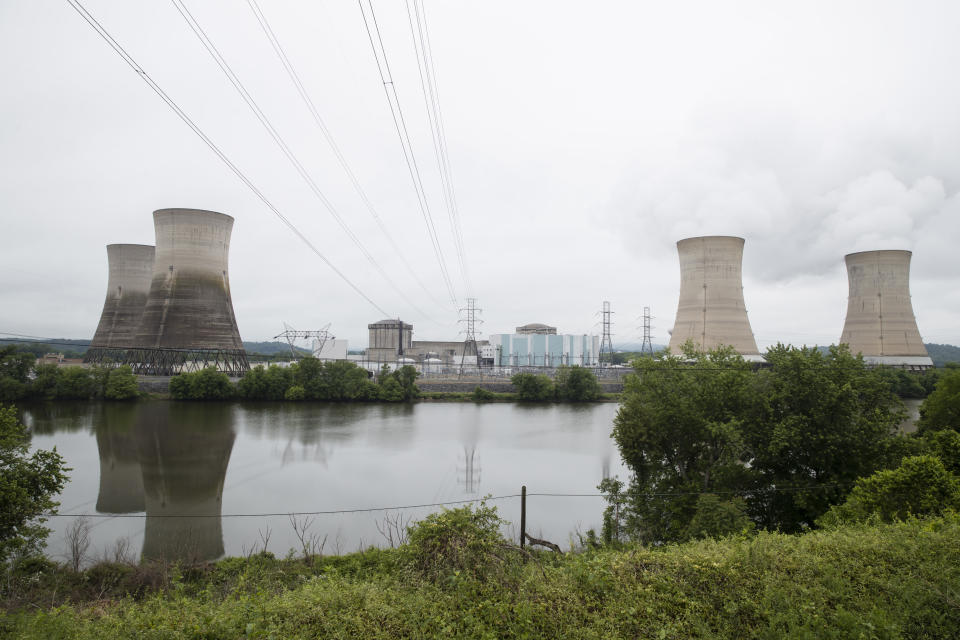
<point x="74" y="383"/>
<point x="390" y="390"/>
<point x="15" y="368"/>
<point x="576" y="384"/>
<point x="406" y="376"/>
<point x="44" y="383"/>
<point x="679" y="431"/>
<point x="920" y="486"/>
<point x="533" y="387"/>
<point x="121" y="384"/>
<point x="206" y="384"/>
<point x="941" y="409"/>
<point x="28" y="484"/>
<point x="818" y="422"/>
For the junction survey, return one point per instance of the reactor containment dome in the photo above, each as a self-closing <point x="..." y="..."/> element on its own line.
<point x="711" y="311"/>
<point x="880" y="324"/>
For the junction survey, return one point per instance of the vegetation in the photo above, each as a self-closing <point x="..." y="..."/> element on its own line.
<point x="307" y="379"/>
<point x="941" y="409"/>
<point x="20" y="378"/>
<point x="28" y="484"/>
<point x="791" y="438"/>
<point x="572" y="384"/>
<point x="872" y="581"/>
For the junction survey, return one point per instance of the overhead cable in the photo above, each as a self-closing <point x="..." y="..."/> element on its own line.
<point x="431" y="97"/>
<point x="281" y="143"/>
<point x="90" y="20"/>
<point x="400" y="125"/>
<point x="325" y="130"/>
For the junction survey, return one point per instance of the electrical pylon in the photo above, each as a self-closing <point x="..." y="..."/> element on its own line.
<point x="606" y="342"/>
<point x="291" y="335"/>
<point x="647" y="346"/>
<point x="470" y="332"/>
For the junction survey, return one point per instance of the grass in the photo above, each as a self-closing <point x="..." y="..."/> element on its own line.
<point x="866" y="581"/>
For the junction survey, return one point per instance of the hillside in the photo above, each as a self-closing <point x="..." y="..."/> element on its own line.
<point x="942" y="353"/>
<point x="881" y="581"/>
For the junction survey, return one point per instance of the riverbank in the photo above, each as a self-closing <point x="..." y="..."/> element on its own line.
<point x="883" y="581"/>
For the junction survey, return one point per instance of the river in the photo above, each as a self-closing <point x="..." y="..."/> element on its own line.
<point x="189" y="480"/>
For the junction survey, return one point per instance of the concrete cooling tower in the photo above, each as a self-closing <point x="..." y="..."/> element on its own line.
<point x="711" y="311"/>
<point x="188" y="319"/>
<point x="130" y="273"/>
<point x="880" y="323"/>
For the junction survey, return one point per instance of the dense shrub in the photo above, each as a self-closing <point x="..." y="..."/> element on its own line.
<point x="462" y="541"/>
<point x="533" y="387"/>
<point x="261" y="383"/>
<point x="73" y="383"/>
<point x="482" y="395"/>
<point x="206" y="384"/>
<point x="920" y="486"/>
<point x="15" y="368"/>
<point x="121" y="384"/>
<point x="576" y="384"/>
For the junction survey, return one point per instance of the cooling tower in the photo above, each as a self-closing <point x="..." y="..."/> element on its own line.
<point x="189" y="305"/>
<point x="130" y="274"/>
<point x="711" y="311"/>
<point x="880" y="323"/>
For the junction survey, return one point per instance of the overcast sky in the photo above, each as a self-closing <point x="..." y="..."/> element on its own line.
<point x="584" y="140"/>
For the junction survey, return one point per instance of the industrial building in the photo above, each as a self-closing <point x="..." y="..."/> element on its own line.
<point x="880" y="323"/>
<point x="130" y="271"/>
<point x="186" y="320"/>
<point x="537" y="348"/>
<point x="391" y="340"/>
<point x="711" y="311"/>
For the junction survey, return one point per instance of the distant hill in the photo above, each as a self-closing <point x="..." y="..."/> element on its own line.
<point x="942" y="353"/>
<point x="271" y="348"/>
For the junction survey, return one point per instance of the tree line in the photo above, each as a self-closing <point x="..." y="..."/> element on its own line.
<point x="715" y="447"/>
<point x="21" y="378"/>
<point x="306" y="379"/>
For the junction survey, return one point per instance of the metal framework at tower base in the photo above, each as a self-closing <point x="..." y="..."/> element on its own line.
<point x="162" y="361"/>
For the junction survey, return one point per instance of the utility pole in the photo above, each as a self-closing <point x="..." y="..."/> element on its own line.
<point x="470" y="332"/>
<point x="647" y="347"/>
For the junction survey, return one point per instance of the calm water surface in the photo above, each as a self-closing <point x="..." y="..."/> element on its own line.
<point x="172" y="477"/>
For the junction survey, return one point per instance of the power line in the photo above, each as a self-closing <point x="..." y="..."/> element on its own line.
<point x="431" y="98"/>
<point x="400" y="125"/>
<point x="282" y="144"/>
<point x="90" y="20"/>
<point x="626" y="497"/>
<point x="325" y="130"/>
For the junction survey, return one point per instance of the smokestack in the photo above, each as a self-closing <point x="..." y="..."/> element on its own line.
<point x="711" y="311"/>
<point x="189" y="305"/>
<point x="128" y="283"/>
<point x="880" y="323"/>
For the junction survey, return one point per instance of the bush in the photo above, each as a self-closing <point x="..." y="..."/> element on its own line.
<point x="716" y="518"/>
<point x="121" y="384"/>
<point x="576" y="384"/>
<point x="456" y="542"/>
<point x="482" y="395"/>
<point x="206" y="384"/>
<point x="296" y="392"/>
<point x="920" y="486"/>
<point x="74" y="383"/>
<point x="533" y="387"/>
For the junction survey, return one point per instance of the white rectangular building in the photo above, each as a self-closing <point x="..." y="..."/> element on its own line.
<point x="544" y="350"/>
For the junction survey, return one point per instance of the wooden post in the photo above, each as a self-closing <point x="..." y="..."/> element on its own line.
<point x="523" y="516"/>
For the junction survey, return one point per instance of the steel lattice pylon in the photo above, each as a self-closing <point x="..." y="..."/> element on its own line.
<point x="606" y="342"/>
<point x="647" y="347"/>
<point x="470" y="331"/>
<point x="291" y="335"/>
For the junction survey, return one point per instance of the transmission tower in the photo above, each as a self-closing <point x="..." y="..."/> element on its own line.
<point x="291" y="335"/>
<point x="606" y="342"/>
<point x="470" y="332"/>
<point x="471" y="472"/>
<point x="647" y="346"/>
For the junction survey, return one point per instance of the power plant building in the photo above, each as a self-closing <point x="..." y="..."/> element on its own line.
<point x="130" y="271"/>
<point x="391" y="341"/>
<point x="538" y="349"/>
<point x="880" y="323"/>
<point x="711" y="311"/>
